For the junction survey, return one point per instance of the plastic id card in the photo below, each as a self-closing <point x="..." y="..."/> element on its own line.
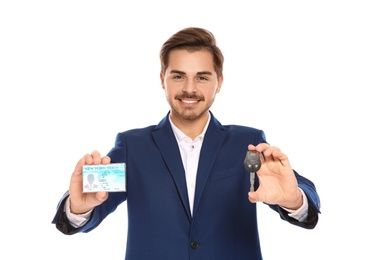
<point x="104" y="177"/>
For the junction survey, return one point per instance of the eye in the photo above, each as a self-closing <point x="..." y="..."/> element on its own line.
<point x="203" y="78"/>
<point x="177" y="77"/>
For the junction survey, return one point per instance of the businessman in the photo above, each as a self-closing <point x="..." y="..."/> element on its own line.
<point x="187" y="188"/>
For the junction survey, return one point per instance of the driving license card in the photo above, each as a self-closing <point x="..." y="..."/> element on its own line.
<point x="104" y="177"/>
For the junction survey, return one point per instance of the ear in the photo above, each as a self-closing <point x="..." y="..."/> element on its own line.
<point x="220" y="80"/>
<point x="162" y="80"/>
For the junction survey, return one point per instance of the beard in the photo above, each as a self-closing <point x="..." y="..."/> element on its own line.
<point x="190" y="114"/>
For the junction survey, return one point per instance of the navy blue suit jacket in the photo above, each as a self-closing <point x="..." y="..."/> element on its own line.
<point x="160" y="224"/>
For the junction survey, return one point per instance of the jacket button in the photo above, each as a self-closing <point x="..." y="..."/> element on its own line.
<point x="194" y="245"/>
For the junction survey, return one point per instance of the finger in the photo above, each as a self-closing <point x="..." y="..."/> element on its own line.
<point x="96" y="157"/>
<point x="106" y="160"/>
<point x="92" y="200"/>
<point x="101" y="196"/>
<point x="261" y="147"/>
<point x="268" y="152"/>
<point x="95" y="199"/>
<point x="251" y="147"/>
<point x="280" y="156"/>
<point x="89" y="159"/>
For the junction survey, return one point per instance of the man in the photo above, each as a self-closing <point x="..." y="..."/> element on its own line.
<point x="187" y="187"/>
<point x="90" y="183"/>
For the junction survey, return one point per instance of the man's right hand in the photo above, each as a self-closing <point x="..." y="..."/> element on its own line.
<point x="81" y="202"/>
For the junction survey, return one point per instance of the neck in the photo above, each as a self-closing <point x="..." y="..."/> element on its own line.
<point x="191" y="127"/>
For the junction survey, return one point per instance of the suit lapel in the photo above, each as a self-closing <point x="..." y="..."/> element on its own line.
<point x="213" y="140"/>
<point x="167" y="144"/>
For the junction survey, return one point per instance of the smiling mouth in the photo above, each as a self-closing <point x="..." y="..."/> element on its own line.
<point x="187" y="101"/>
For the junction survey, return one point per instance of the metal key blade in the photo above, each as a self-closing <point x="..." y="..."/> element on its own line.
<point x="252" y="178"/>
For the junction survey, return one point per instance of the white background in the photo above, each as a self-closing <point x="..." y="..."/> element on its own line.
<point x="74" y="73"/>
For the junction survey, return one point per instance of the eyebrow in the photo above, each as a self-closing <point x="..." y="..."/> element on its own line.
<point x="183" y="73"/>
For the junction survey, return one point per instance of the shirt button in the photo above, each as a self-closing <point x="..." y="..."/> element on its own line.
<point x="194" y="245"/>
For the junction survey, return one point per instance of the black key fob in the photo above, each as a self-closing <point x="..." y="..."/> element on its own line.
<point x="252" y="161"/>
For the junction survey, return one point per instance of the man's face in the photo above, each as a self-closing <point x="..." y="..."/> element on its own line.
<point x="190" y="83"/>
<point x="90" y="178"/>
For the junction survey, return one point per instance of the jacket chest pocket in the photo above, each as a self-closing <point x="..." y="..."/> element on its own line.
<point x="222" y="174"/>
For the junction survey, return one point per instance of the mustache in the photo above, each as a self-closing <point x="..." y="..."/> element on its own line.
<point x="190" y="96"/>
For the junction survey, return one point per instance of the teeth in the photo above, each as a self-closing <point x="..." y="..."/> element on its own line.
<point x="189" y="101"/>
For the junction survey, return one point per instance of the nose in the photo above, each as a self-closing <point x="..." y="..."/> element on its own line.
<point x="189" y="86"/>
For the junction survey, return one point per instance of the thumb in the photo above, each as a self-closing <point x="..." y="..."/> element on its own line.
<point x="101" y="196"/>
<point x="253" y="197"/>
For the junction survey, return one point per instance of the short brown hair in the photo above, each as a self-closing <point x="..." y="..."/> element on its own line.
<point x="192" y="39"/>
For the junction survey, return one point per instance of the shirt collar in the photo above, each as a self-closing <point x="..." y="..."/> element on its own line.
<point x="180" y="136"/>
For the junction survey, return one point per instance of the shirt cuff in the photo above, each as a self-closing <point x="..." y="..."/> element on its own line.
<point x="76" y="220"/>
<point x="301" y="213"/>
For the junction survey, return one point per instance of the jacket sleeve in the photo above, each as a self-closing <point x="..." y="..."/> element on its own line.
<point x="313" y="205"/>
<point x="60" y="219"/>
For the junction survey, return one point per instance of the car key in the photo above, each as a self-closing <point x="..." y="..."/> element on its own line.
<point x="252" y="164"/>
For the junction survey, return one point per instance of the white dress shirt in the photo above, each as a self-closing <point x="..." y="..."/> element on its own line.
<point x="190" y="155"/>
